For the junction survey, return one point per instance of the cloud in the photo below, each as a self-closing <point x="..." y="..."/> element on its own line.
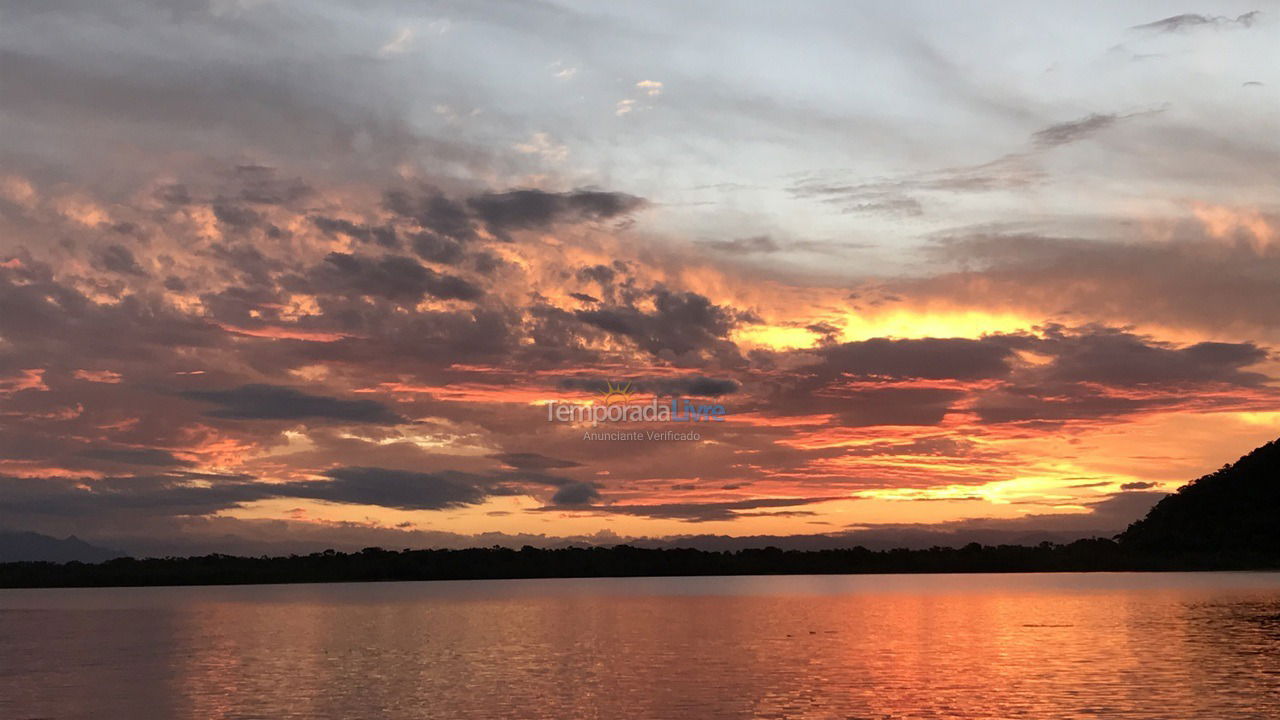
<point x="575" y="494"/>
<point x="538" y="209"/>
<point x="532" y="461"/>
<point x="152" y="495"/>
<point x="1188" y="21"/>
<point x="137" y="456"/>
<point x="261" y="185"/>
<point x="753" y="244"/>
<point x="934" y="358"/>
<point x="394" y="277"/>
<point x="119" y="259"/>
<point x="900" y="195"/>
<point x="236" y="216"/>
<point x="383" y="235"/>
<point x="387" y="488"/>
<point x="433" y="211"/>
<point x="682" y="324"/>
<point x="272" y="402"/>
<point x="695" y="512"/>
<point x="866" y="407"/>
<point x="1104" y="518"/>
<point x="544" y="146"/>
<point x="1071" y="131"/>
<point x="1189" y="282"/>
<point x="1121" y="359"/>
<point x="504" y="212"/>
<point x="176" y="494"/>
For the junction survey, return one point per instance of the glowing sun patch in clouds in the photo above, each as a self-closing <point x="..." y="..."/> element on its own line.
<point x="899" y="324"/>
<point x="774" y="337"/>
<point x="914" y="324"/>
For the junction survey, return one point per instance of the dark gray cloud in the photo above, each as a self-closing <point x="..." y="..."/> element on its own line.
<point x="383" y="235"/>
<point x="176" y="494"/>
<point x="931" y="358"/>
<point x="1137" y="486"/>
<point x="438" y="249"/>
<point x="387" y="488"/>
<point x="532" y="461"/>
<point x="274" y="402"/>
<point x="681" y="324"/>
<point x="867" y="407"/>
<point x="394" y="277"/>
<point x="1064" y="133"/>
<point x="1188" y="21"/>
<point x="443" y="218"/>
<point x="575" y="494"/>
<point x="157" y="495"/>
<point x="433" y="211"/>
<point x="602" y="274"/>
<point x="1119" y="358"/>
<point x="1080" y="374"/>
<point x="236" y="216"/>
<point x="533" y="209"/>
<point x="118" y="259"/>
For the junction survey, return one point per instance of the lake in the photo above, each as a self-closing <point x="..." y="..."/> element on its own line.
<point x="1109" y="645"/>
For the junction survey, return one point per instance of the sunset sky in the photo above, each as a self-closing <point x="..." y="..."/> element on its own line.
<point x="282" y="276"/>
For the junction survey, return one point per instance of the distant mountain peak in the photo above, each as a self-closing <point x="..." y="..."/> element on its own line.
<point x="1232" y="510"/>
<point x="30" y="546"/>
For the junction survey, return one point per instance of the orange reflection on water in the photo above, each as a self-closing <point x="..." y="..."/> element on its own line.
<point x="925" y="646"/>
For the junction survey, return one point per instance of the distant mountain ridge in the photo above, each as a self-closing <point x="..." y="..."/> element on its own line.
<point x="30" y="546"/>
<point x="1231" y="512"/>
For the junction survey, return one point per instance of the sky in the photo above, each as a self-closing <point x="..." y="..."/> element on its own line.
<point x="280" y="277"/>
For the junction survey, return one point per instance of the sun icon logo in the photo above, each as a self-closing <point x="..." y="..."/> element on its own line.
<point x="616" y="393"/>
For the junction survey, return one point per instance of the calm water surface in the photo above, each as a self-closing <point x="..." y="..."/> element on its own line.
<point x="1196" y="645"/>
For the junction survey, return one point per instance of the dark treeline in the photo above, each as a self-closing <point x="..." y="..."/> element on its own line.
<point x="374" y="564"/>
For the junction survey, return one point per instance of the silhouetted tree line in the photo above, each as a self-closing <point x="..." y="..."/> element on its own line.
<point x="373" y="564"/>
